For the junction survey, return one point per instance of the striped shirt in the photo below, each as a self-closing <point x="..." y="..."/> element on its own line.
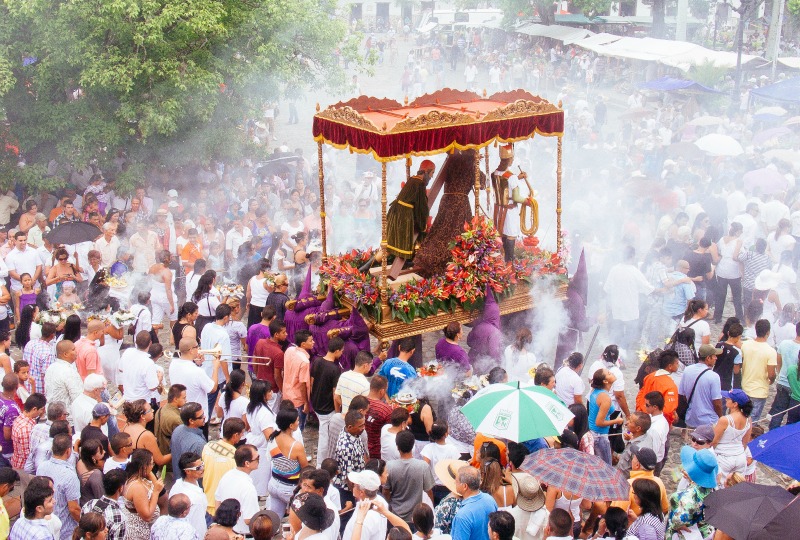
<point x="39" y="354"/>
<point x="115" y="521"/>
<point x="30" y="529"/>
<point x="754" y="264"/>
<point x="350" y="385"/>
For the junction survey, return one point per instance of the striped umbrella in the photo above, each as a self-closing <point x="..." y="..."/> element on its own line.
<point x="517" y="412"/>
<point x="579" y="473"/>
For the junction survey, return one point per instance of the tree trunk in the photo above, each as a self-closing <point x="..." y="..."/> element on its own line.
<point x="659" y="28"/>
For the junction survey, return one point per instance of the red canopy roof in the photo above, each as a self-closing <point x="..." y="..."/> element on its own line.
<point x="435" y="123"/>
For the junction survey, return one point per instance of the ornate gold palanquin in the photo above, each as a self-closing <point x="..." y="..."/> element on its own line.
<point x="432" y="124"/>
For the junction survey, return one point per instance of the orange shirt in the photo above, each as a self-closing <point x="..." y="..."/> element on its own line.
<point x="190" y="253"/>
<point x="296" y="371"/>
<point x="479" y="440"/>
<point x="660" y="381"/>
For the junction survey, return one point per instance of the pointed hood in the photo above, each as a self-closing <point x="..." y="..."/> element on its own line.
<point x="327" y="304"/>
<point x="305" y="292"/>
<point x="491" y="309"/>
<point x="579" y="282"/>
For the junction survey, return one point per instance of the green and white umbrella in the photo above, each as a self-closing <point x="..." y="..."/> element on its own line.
<point x="517" y="412"/>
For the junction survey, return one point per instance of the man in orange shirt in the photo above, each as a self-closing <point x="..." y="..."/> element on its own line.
<point x="297" y="379"/>
<point x="88" y="361"/>
<point x="192" y="251"/>
<point x="661" y="382"/>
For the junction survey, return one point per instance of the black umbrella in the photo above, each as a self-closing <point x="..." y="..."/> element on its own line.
<point x="741" y="511"/>
<point x="784" y="525"/>
<point x="73" y="232"/>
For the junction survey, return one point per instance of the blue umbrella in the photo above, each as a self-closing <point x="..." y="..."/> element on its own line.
<point x="778" y="449"/>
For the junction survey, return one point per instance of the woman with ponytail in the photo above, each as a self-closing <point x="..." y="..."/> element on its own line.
<point x="92" y="526"/>
<point x="234" y="402"/>
<point x="288" y="457"/>
<point x="694" y="316"/>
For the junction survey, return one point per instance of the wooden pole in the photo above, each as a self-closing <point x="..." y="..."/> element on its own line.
<point x="488" y="182"/>
<point x="558" y="194"/>
<point x="477" y="181"/>
<point x="322" y="202"/>
<point x="408" y="169"/>
<point x="384" y="253"/>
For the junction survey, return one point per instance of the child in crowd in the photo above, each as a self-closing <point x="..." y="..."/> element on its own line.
<point x="23" y="371"/>
<point x="69" y="296"/>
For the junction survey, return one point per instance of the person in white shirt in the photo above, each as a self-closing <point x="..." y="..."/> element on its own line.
<point x="747" y="220"/>
<point x="93" y="386"/>
<point x="623" y="286"/>
<point x="319" y="481"/>
<point x="238" y="235"/>
<point x="372" y="525"/>
<point x="137" y="375"/>
<point x="215" y="336"/>
<point x="659" y="427"/>
<point x="191" y="471"/>
<point x="569" y="383"/>
<point x="434" y="452"/>
<point x="62" y="382"/>
<point x="609" y="360"/>
<point x="144" y="318"/>
<point x="37" y="232"/>
<point x="237" y="484"/>
<point x="185" y="371"/>
<point x="108" y="244"/>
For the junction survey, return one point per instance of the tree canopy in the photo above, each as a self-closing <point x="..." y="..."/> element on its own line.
<point x="166" y="81"/>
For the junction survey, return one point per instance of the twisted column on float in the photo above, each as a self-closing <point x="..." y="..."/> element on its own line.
<point x="384" y="254"/>
<point x="322" y="202"/>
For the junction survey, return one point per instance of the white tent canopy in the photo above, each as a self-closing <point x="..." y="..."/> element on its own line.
<point x="791" y="62"/>
<point x="567" y="34"/>
<point x="679" y="54"/>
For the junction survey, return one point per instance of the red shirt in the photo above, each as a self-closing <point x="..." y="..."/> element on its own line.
<point x="270" y="349"/>
<point x="377" y="416"/>
<point x="88" y="360"/>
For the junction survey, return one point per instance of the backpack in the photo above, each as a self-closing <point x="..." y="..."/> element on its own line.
<point x="682" y="342"/>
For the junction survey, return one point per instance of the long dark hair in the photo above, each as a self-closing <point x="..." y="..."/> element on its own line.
<point x="258" y="395"/>
<point x="72" y="328"/>
<point x="236" y="381"/>
<point x="616" y="522"/>
<point x="187" y="308"/>
<point x="88" y="450"/>
<point x="204" y="285"/>
<point x="580" y="424"/>
<point x="693" y="306"/>
<point x="22" y="335"/>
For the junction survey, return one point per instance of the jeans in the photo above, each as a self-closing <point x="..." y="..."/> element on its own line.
<point x="783" y="395"/>
<point x="279" y="495"/>
<point x="322" y="444"/>
<point x="758" y="408"/>
<point x="302" y="416"/>
<point x="722" y="294"/>
<point x="602" y="448"/>
<point x="794" y="414"/>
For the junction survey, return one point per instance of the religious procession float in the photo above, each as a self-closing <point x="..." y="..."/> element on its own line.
<point x="422" y="276"/>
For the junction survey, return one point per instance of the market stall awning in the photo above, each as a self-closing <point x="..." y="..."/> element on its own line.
<point x="790" y="62"/>
<point x="787" y="91"/>
<point x="435" y="123"/>
<point x="602" y="38"/>
<point x="555" y="31"/>
<point x="669" y="84"/>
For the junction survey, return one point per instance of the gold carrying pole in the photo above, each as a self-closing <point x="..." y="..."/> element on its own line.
<point x="488" y="183"/>
<point x="558" y="192"/>
<point x="408" y="169"/>
<point x="384" y="254"/>
<point x="322" y="200"/>
<point x="477" y="181"/>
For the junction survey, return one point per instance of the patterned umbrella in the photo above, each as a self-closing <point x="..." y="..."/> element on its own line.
<point x="579" y="473"/>
<point x="517" y="412"/>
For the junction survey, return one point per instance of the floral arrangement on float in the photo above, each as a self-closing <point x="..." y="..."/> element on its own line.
<point x="477" y="261"/>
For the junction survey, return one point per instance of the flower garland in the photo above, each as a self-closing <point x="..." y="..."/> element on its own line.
<point x="361" y="289"/>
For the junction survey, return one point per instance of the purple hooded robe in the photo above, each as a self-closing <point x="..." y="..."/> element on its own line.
<point x="355" y="333"/>
<point x="306" y="302"/>
<point x="323" y="321"/>
<point x="486" y="339"/>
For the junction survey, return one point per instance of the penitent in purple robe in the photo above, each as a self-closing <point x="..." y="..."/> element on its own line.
<point x="452" y="353"/>
<point x="323" y="321"/>
<point x="355" y="333"/>
<point x="306" y="302"/>
<point x="486" y="339"/>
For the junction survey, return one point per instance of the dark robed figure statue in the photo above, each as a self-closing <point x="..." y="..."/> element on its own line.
<point x="408" y="213"/>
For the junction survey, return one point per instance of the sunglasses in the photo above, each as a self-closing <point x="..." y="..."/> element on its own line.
<point x="62" y="259"/>
<point x="197" y="468"/>
<point x="695" y="440"/>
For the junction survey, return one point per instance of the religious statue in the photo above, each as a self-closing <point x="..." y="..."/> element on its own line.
<point x="408" y="214"/>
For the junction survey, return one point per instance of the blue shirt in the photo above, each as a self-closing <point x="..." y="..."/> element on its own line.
<point x="185" y="439"/>
<point x="67" y="488"/>
<point x="30" y="529"/>
<point x="701" y="410"/>
<point x="788" y="349"/>
<point x="594" y="408"/>
<point x="675" y="303"/>
<point x="396" y="372"/>
<point x="471" y="521"/>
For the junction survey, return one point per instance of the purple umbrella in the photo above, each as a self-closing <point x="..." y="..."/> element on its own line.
<point x="766" y="180"/>
<point x="579" y="473"/>
<point x="763" y="137"/>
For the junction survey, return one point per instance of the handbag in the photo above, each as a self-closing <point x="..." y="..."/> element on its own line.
<point x="683" y="403"/>
<point x="615" y="438"/>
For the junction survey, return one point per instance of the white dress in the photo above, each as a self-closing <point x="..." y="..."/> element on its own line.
<point x="109" y="357"/>
<point x="261" y="419"/>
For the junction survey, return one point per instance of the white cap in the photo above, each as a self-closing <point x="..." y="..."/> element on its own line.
<point x="367" y="480"/>
<point x="173" y="204"/>
<point x="172" y="193"/>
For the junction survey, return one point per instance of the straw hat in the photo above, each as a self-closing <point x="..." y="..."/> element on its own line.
<point x="446" y="470"/>
<point x="528" y="491"/>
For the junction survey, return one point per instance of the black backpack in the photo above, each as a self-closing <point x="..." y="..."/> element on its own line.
<point x="682" y="342"/>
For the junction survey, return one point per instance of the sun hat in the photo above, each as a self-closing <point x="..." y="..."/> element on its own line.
<point x="367" y="480"/>
<point x="447" y="469"/>
<point x="700" y="465"/>
<point x="314" y="513"/>
<point x="528" y="491"/>
<point x="274" y="518"/>
<point x="737" y="396"/>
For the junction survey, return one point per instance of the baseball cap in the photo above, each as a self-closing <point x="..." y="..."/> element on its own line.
<point x="646" y="456"/>
<point x="367" y="480"/>
<point x="172" y="193"/>
<point x="736" y="395"/>
<point x="708" y="350"/>
<point x="101" y="409"/>
<point x="704" y="433"/>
